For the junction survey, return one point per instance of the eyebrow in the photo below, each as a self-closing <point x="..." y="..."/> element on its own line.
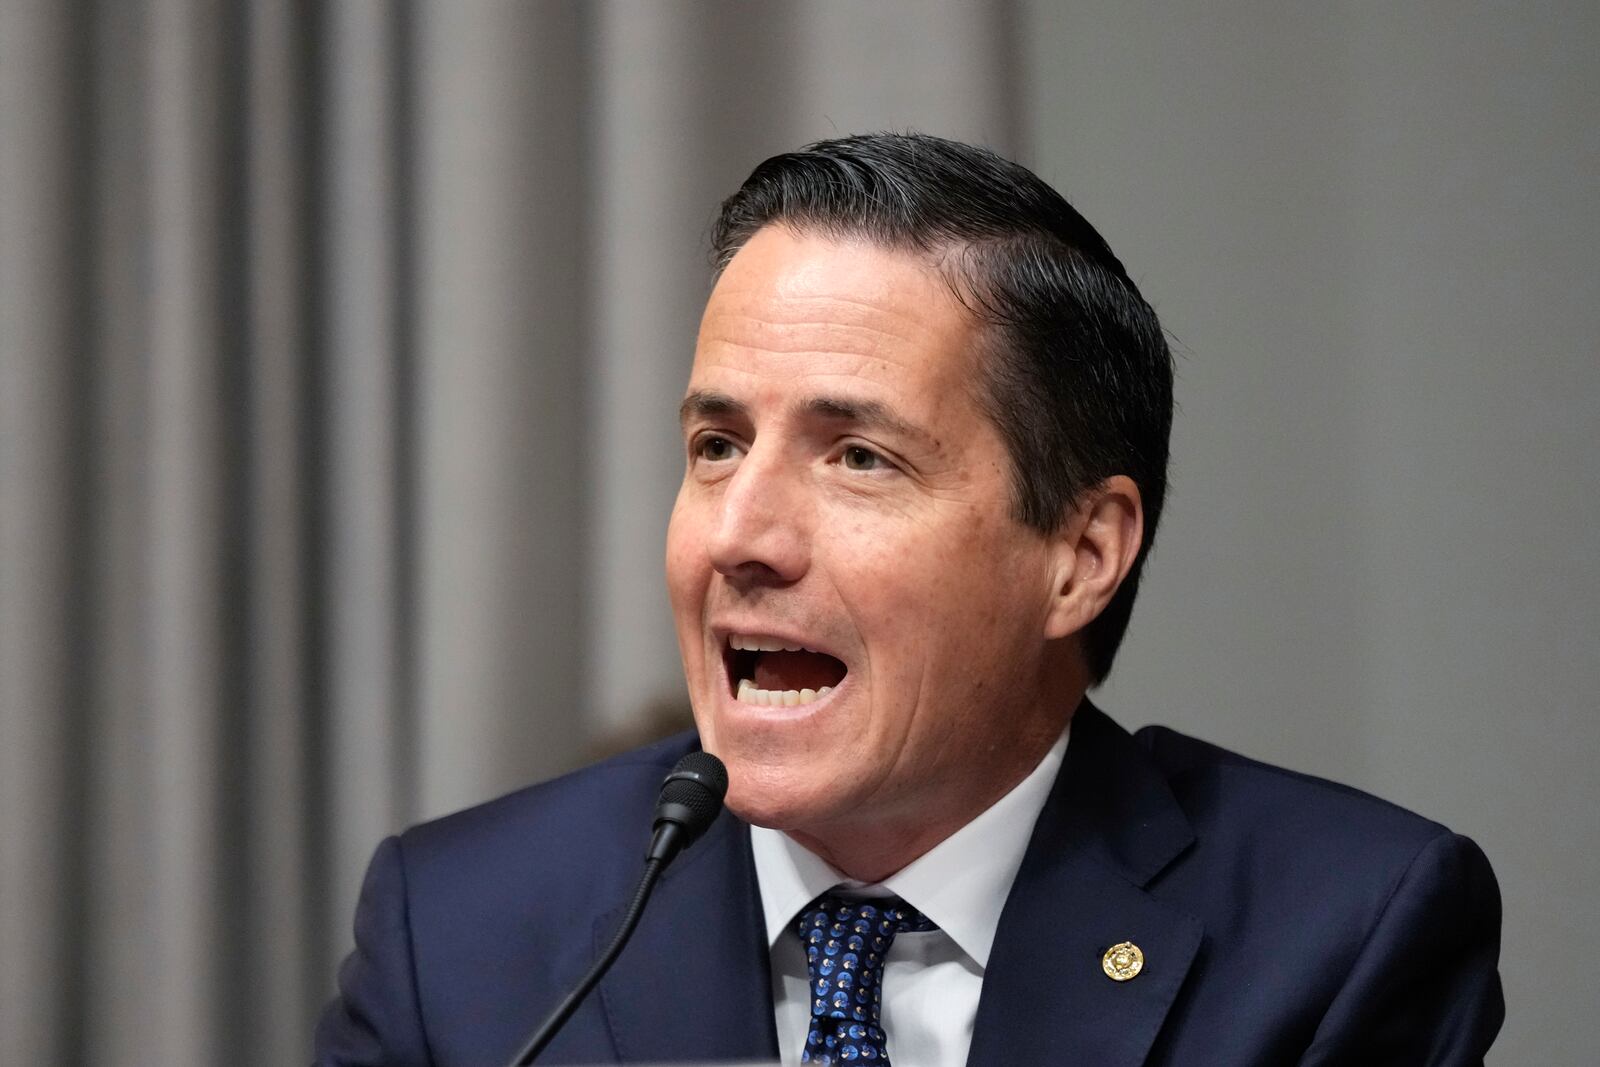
<point x="868" y="414"/>
<point x="703" y="404"/>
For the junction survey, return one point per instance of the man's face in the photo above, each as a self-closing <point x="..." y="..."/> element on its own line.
<point x="845" y="525"/>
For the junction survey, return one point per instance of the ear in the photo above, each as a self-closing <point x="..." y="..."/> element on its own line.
<point x="1094" y="552"/>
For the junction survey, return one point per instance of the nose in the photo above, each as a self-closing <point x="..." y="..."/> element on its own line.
<point x="762" y="530"/>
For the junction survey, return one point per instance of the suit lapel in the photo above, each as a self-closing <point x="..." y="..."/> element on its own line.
<point x="694" y="983"/>
<point x="1110" y="826"/>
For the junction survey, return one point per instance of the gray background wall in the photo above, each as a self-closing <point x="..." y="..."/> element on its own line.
<point x="340" y="344"/>
<point x="1373" y="230"/>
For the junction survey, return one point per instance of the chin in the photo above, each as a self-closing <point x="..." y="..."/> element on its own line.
<point x="756" y="813"/>
<point x="754" y="799"/>
<point x="762" y="798"/>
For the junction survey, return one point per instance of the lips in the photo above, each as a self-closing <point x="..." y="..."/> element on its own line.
<point x="778" y="671"/>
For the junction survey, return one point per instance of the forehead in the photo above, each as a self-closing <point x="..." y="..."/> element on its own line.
<point x="796" y="305"/>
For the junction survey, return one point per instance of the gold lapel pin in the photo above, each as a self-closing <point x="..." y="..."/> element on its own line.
<point x="1122" y="961"/>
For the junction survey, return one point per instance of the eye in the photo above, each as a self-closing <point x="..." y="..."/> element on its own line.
<point x="715" y="448"/>
<point x="857" y="458"/>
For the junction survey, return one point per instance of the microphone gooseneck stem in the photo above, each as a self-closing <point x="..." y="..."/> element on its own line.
<point x="564" y="1010"/>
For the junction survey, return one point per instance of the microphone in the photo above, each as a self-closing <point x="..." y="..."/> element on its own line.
<point x="691" y="796"/>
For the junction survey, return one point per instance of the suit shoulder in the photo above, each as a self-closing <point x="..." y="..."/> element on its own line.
<point x="1322" y="859"/>
<point x="583" y="810"/>
<point x="1214" y="784"/>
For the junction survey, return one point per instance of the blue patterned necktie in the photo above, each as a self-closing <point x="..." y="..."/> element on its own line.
<point x="846" y="942"/>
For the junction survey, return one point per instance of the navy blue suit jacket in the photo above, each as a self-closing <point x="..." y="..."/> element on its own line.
<point x="1283" y="920"/>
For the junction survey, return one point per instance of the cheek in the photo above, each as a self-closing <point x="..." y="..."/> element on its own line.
<point x="688" y="573"/>
<point x="905" y="589"/>
<point x="944" y="596"/>
<point x="687" y="565"/>
<point x="949" y="564"/>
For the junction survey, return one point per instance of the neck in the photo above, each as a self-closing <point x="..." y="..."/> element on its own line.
<point x="876" y="853"/>
<point x="872" y="850"/>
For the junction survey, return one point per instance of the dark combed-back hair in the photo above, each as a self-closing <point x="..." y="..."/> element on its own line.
<point x="1078" y="376"/>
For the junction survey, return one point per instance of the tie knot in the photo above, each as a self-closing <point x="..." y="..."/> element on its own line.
<point x="846" y="942"/>
<point x="870" y="920"/>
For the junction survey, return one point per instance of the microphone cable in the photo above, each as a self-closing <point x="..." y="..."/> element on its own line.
<point x="691" y="796"/>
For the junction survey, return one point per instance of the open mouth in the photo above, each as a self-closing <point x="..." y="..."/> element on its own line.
<point x="764" y="670"/>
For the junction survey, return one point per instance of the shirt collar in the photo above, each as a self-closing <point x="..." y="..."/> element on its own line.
<point x="961" y="883"/>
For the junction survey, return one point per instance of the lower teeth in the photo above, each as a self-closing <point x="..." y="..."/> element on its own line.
<point x="779" y="697"/>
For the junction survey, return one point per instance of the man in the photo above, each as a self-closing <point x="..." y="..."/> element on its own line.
<point x="925" y="439"/>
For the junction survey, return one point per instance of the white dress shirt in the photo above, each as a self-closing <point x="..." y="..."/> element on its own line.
<point x="932" y="980"/>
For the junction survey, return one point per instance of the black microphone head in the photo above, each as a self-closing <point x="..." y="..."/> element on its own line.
<point x="702" y="767"/>
<point x="691" y="796"/>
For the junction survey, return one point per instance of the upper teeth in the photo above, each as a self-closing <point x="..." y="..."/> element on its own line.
<point x="743" y="643"/>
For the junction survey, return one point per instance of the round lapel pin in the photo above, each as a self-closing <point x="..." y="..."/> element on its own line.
<point x="1122" y="961"/>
